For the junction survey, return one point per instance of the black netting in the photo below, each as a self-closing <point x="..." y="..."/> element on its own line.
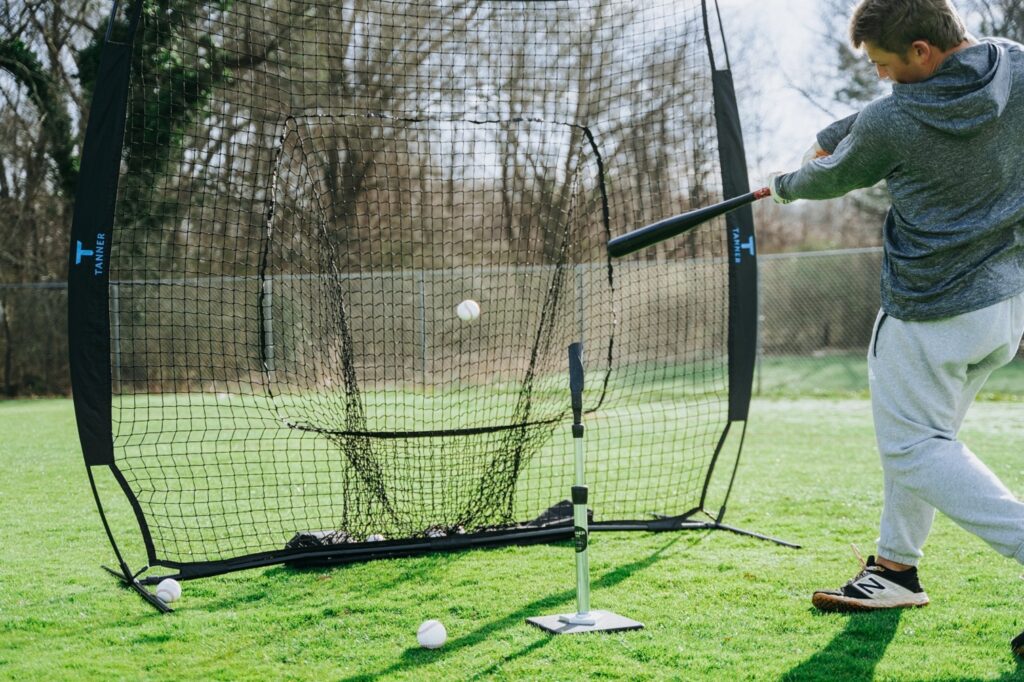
<point x="307" y="192"/>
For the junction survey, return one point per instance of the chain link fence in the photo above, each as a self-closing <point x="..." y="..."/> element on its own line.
<point x="34" y="339"/>
<point x="817" y="310"/>
<point x="816" y="314"/>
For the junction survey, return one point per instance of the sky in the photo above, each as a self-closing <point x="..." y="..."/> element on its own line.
<point x="776" y="42"/>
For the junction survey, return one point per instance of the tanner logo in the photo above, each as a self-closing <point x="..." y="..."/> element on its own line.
<point x="97" y="253"/>
<point x="580" y="538"/>
<point x="739" y="247"/>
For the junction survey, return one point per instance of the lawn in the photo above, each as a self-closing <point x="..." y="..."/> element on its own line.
<point x="717" y="606"/>
<point x="846" y="374"/>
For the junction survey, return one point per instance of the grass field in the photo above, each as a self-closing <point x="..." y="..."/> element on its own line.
<point x="717" y="606"/>
<point x="846" y="375"/>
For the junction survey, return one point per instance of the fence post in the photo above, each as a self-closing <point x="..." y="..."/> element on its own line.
<point x="268" y="329"/>
<point x="8" y="349"/>
<point x="422" y="300"/>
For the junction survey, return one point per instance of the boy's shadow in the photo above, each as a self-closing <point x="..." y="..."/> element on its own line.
<point x="854" y="653"/>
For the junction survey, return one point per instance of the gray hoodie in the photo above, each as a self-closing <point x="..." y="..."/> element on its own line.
<point x="951" y="150"/>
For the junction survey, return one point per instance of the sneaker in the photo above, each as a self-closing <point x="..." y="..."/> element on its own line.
<point x="1017" y="645"/>
<point x="875" y="587"/>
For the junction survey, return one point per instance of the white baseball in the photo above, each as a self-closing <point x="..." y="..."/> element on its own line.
<point x="168" y="590"/>
<point x="431" y="634"/>
<point x="468" y="310"/>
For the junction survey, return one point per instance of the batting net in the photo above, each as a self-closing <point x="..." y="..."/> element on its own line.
<point x="284" y="203"/>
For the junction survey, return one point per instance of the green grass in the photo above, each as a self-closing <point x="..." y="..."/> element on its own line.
<point x="845" y="375"/>
<point x="717" y="606"/>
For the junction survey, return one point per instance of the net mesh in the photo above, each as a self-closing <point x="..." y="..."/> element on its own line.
<point x="307" y="192"/>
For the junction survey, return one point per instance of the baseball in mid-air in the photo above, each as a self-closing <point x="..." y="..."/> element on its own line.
<point x="468" y="310"/>
<point x="431" y="634"/>
<point x="168" y="590"/>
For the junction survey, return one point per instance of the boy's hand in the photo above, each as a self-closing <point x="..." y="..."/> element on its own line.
<point x="773" y="180"/>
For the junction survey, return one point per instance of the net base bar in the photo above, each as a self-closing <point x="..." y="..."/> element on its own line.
<point x="366" y="552"/>
<point x="403" y="548"/>
<point x="667" y="524"/>
<point x="131" y="582"/>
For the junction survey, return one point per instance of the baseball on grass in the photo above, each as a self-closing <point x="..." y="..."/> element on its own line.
<point x="168" y="590"/>
<point x="468" y="310"/>
<point x="431" y="634"/>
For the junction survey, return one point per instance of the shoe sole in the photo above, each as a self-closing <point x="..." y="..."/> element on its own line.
<point x="834" y="603"/>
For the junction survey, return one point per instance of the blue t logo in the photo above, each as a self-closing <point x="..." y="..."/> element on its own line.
<point x="81" y="253"/>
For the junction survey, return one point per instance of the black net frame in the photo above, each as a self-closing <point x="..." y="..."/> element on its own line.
<point x="281" y="206"/>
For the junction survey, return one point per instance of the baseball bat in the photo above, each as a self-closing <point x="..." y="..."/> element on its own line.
<point x="669" y="227"/>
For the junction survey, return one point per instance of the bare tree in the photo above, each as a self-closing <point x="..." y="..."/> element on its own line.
<point x="40" y="116"/>
<point x="998" y="17"/>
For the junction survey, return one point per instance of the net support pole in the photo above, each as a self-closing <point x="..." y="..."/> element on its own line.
<point x="581" y="536"/>
<point x="584" y="620"/>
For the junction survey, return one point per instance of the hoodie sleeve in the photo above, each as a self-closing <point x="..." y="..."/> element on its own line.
<point x="861" y="158"/>
<point x="830" y="137"/>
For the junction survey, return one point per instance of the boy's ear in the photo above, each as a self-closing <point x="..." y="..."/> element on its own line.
<point x="920" y="49"/>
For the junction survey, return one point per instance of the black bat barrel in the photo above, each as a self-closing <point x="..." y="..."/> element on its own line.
<point x="670" y="227"/>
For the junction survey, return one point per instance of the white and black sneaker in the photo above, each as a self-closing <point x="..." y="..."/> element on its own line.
<point x="875" y="587"/>
<point x="1017" y="645"/>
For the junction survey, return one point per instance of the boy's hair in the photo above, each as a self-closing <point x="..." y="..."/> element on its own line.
<point x="893" y="25"/>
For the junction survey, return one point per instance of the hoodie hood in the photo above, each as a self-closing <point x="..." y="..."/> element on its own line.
<point x="968" y="91"/>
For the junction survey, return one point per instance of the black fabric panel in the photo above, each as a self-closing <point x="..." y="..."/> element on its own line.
<point x="742" y="251"/>
<point x="91" y="241"/>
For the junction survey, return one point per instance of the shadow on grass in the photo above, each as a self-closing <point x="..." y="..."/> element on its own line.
<point x="853" y="653"/>
<point x="414" y="657"/>
<point x="419" y="567"/>
<point x="259" y="585"/>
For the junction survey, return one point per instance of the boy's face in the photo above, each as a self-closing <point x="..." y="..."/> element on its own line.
<point x="912" y="67"/>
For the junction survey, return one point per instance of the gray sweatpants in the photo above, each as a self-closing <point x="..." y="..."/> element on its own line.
<point x="923" y="377"/>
